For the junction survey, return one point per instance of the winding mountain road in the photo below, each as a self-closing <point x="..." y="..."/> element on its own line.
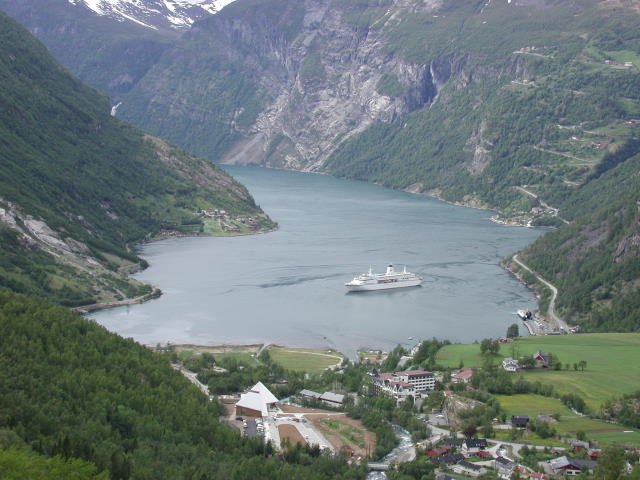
<point x="561" y="324"/>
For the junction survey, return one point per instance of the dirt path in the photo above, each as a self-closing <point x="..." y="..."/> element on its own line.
<point x="193" y="378"/>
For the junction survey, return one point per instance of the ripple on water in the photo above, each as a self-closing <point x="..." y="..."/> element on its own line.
<point x="288" y="286"/>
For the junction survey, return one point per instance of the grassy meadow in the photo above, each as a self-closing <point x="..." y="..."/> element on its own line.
<point x="613" y="362"/>
<point x="569" y="423"/>
<point x="304" y="359"/>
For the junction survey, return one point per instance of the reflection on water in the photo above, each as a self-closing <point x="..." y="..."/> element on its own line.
<point x="287" y="287"/>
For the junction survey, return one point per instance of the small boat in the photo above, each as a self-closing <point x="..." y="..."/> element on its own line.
<point x="524" y="314"/>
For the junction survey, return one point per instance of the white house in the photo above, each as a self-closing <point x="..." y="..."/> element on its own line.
<point x="510" y="365"/>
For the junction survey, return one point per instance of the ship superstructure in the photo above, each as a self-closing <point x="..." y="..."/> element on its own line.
<point x="382" y="281"/>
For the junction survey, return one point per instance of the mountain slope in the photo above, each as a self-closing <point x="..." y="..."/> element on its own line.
<point x="595" y="261"/>
<point x="73" y="390"/>
<point x="100" y="50"/>
<point x="77" y="186"/>
<point x="109" y="44"/>
<point x="154" y="14"/>
<point x="521" y="106"/>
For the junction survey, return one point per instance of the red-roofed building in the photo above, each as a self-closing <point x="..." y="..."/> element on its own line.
<point x="438" y="452"/>
<point x="462" y="376"/>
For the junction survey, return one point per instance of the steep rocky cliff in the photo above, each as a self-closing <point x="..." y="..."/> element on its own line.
<point x="315" y="73"/>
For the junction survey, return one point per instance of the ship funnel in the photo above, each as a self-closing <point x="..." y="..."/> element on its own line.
<point x="389" y="269"/>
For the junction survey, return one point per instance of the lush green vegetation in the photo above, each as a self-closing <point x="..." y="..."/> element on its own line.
<point x="105" y="53"/>
<point x="18" y="464"/>
<point x="624" y="410"/>
<point x="72" y="389"/>
<point x="567" y="422"/>
<point x="613" y="363"/>
<point x="99" y="184"/>
<point x="595" y="262"/>
<point x="304" y="360"/>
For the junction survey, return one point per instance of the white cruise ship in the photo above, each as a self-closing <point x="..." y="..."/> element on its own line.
<point x="382" y="281"/>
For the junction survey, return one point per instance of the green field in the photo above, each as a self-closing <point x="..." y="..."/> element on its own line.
<point x="613" y="362"/>
<point x="242" y="354"/>
<point x="624" y="56"/>
<point x="569" y="422"/>
<point x="304" y="360"/>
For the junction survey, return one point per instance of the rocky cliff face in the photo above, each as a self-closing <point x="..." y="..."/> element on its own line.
<point x="323" y="77"/>
<point x="329" y="85"/>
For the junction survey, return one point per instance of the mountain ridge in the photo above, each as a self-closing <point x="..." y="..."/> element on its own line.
<point x="154" y="14"/>
<point x="79" y="188"/>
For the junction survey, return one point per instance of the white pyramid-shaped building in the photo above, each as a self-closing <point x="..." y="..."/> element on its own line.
<point x="256" y="402"/>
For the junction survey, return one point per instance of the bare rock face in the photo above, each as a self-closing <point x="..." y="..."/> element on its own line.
<point x="629" y="246"/>
<point x="480" y="146"/>
<point x="329" y="85"/>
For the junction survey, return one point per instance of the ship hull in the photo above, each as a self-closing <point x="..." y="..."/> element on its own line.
<point x="382" y="286"/>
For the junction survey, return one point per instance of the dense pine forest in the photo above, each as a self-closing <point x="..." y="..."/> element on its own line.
<point x="76" y="401"/>
<point x="72" y="390"/>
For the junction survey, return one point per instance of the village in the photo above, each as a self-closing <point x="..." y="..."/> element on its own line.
<point x="220" y="219"/>
<point x="441" y="401"/>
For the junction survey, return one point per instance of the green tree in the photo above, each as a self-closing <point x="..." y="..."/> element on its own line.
<point x="513" y="331"/>
<point x="611" y="463"/>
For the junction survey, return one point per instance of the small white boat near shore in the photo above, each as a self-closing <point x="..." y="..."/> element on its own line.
<point x="383" y="281"/>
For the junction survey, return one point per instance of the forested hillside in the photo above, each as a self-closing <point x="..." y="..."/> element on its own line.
<point x="73" y="390"/>
<point x="102" y="51"/>
<point x="78" y="187"/>
<point x="522" y="106"/>
<point x="595" y="261"/>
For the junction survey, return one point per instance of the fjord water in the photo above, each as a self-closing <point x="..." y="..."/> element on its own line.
<point x="287" y="286"/>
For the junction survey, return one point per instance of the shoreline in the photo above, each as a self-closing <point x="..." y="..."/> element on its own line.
<point x="94" y="307"/>
<point x="170" y="234"/>
<point x="136" y="268"/>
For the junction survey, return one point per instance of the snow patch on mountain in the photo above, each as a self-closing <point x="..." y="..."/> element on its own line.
<point x="155" y="14"/>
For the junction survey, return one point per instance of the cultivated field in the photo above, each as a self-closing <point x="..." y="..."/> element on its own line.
<point x="291" y="433"/>
<point x="569" y="423"/>
<point x="613" y="362"/>
<point x="298" y="359"/>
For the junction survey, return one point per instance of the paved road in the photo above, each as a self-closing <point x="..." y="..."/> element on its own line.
<point x="193" y="378"/>
<point x="515" y="447"/>
<point x="545" y="205"/>
<point x="561" y="324"/>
